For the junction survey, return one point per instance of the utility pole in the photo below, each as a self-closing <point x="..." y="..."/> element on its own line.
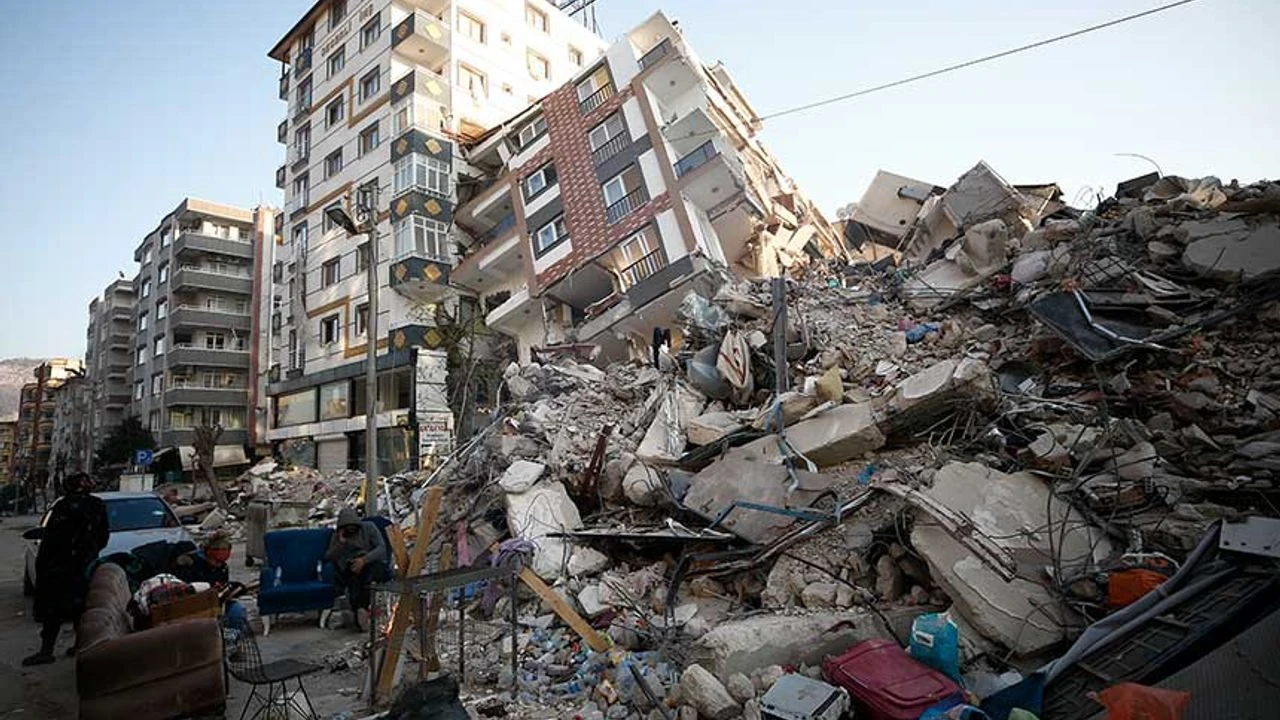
<point x="367" y="201"/>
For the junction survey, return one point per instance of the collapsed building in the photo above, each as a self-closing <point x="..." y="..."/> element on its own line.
<point x="1024" y="415"/>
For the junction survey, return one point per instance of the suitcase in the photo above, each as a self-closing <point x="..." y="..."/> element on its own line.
<point x="885" y="682"/>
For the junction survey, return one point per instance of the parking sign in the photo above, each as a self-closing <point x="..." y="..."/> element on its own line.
<point x="142" y="457"/>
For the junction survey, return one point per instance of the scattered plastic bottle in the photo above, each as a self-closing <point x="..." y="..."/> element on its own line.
<point x="319" y="570"/>
<point x="279" y="576"/>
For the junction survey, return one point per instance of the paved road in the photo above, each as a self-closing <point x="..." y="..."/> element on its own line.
<point x="48" y="691"/>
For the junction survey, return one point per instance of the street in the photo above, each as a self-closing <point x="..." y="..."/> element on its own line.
<point x="49" y="691"/>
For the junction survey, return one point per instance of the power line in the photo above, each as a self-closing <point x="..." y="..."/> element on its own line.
<point x="976" y="61"/>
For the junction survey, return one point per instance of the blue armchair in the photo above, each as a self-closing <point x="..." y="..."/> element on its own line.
<point x="295" y="553"/>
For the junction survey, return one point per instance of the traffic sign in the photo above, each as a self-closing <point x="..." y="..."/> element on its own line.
<point x="142" y="457"/>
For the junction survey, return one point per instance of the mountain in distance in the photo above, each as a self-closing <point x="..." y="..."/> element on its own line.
<point x="14" y="373"/>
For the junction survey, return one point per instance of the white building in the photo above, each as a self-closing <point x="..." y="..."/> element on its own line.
<point x="385" y="90"/>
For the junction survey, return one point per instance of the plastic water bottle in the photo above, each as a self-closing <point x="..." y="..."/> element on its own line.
<point x="318" y="570"/>
<point x="279" y="574"/>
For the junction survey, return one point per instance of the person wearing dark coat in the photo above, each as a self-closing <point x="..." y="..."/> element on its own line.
<point x="74" y="534"/>
<point x="359" y="557"/>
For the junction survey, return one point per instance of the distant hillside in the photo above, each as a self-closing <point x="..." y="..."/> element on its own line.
<point x="14" y="373"/>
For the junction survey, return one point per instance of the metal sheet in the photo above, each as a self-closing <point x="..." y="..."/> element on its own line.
<point x="1255" y="535"/>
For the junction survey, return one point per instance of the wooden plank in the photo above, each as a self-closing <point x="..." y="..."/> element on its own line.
<point x="435" y="602"/>
<point x="594" y="640"/>
<point x="404" y="607"/>
<point x="398" y="549"/>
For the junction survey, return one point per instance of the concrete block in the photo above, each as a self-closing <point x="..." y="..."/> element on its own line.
<point x="643" y="485"/>
<point x="710" y="427"/>
<point x="1232" y="248"/>
<point x="544" y="508"/>
<point x="842" y="433"/>
<point x="743" y="646"/>
<point x="933" y="391"/>
<point x="706" y="694"/>
<point x="520" y="476"/>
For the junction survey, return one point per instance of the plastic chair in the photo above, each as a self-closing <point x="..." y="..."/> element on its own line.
<point x="244" y="663"/>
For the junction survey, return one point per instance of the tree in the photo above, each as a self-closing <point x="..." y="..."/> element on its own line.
<point x="119" y="445"/>
<point x="206" y="440"/>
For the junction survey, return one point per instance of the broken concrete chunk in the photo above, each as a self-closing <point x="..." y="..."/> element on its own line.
<point x="643" y="485"/>
<point x="740" y="687"/>
<point x="794" y="406"/>
<point x="934" y="391"/>
<point x="710" y="427"/>
<point x="829" y="387"/>
<point x="839" y="434"/>
<point x="544" y="508"/>
<point x="890" y="583"/>
<point x="587" y="561"/>
<point x="819" y="595"/>
<point x="664" y="442"/>
<point x="1138" y="463"/>
<point x="701" y="690"/>
<point x="520" y="476"/>
<point x="1232" y="248"/>
<point x="745" y="646"/>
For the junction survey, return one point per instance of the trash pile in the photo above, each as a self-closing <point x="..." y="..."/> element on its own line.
<point x="954" y="461"/>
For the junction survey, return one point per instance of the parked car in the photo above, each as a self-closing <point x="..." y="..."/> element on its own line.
<point x="133" y="518"/>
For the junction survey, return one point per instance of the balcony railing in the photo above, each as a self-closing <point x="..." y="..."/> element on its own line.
<point x="245" y="273"/>
<point x="299" y="152"/>
<point x="696" y="159"/>
<point x="656" y="53"/>
<point x="498" y="230"/>
<point x="611" y="147"/>
<point x="296" y="203"/>
<point x="641" y="269"/>
<point x="303" y="64"/>
<point x="627" y="204"/>
<point x="594" y="100"/>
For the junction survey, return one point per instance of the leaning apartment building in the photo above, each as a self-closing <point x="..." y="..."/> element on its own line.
<point x="193" y="335"/>
<point x="555" y="189"/>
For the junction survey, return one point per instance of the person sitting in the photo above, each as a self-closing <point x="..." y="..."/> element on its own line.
<point x="359" y="556"/>
<point x="209" y="565"/>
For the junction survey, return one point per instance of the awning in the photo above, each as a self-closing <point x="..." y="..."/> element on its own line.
<point x="223" y="456"/>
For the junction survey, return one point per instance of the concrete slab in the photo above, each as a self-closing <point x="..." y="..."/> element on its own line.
<point x="744" y="646"/>
<point x="1232" y="248"/>
<point x="710" y="427"/>
<point x="544" y="508"/>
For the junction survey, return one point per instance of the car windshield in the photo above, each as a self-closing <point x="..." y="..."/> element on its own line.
<point x="138" y="514"/>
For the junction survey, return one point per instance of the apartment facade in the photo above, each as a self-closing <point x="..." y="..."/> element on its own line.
<point x="8" y="443"/>
<point x="71" y="449"/>
<point x="192" y="326"/>
<point x="108" y="355"/>
<point x="37" y="408"/>
<point x="640" y="179"/>
<point x="385" y="91"/>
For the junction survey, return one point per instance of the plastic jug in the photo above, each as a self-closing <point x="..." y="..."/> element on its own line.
<point x="935" y="641"/>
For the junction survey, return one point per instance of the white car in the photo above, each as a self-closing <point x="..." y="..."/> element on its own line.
<point x="133" y="518"/>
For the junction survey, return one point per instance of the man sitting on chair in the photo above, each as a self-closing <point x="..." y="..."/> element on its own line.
<point x="360" y="557"/>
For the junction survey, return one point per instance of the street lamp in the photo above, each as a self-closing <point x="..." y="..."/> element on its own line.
<point x="367" y="211"/>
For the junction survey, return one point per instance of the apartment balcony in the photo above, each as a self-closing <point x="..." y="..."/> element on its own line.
<point x="422" y="39"/>
<point x="197" y="318"/>
<point x="200" y="395"/>
<point x="671" y="77"/>
<point x="708" y="176"/>
<point x="303" y="63"/>
<point x="421" y="276"/>
<point x="420" y="84"/>
<point x="281" y="176"/>
<point x="514" y="313"/>
<point x="190" y="241"/>
<point x="423" y="336"/>
<point x="284" y="86"/>
<point x="191" y="355"/>
<point x="191" y="279"/>
<point x="120" y="313"/>
<point x="657" y="54"/>
<point x="596" y="99"/>
<point x="298" y="155"/>
<point x="638" y="271"/>
<point x="611" y="147"/>
<point x="282" y="131"/>
<point x="296" y="204"/>
<point x="430" y="7"/>
<point x="627" y="204"/>
<point x="493" y="263"/>
<point x="187" y="436"/>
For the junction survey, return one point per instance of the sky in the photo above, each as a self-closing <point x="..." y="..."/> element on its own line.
<point x="113" y="112"/>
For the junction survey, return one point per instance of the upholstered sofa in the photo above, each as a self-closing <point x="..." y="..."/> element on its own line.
<point x="170" y="671"/>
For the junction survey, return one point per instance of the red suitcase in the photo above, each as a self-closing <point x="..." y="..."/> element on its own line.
<point x="887" y="683"/>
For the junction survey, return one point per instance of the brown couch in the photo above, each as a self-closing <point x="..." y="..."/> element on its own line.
<point x="166" y="672"/>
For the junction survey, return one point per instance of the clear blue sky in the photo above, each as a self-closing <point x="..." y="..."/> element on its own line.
<point x="114" y="111"/>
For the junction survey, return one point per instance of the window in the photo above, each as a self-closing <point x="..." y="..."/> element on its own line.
<point x="335" y="400"/>
<point x="337" y="11"/>
<point x="531" y="132"/>
<point x="606" y="131"/>
<point x="575" y="56"/>
<point x="596" y="81"/>
<point x="141" y="356"/>
<point x="300" y="237"/>
<point x="153" y="420"/>
<point x="294" y="360"/>
<point x="335" y="112"/>
<point x="550" y="235"/>
<point x="369" y="139"/>
<point x="539" y="67"/>
<point x="473" y="81"/>
<point x="362" y="258"/>
<point x="157" y="384"/>
<point x="361" y="322"/>
<point x="370" y="84"/>
<point x="215" y="341"/>
<point x="146" y="255"/>
<point x="329" y="274"/>
<point x="536" y="18"/>
<point x="422" y="236"/>
<point x="164" y="273"/>
<point x="296" y="408"/>
<point x="333" y="163"/>
<point x="416" y="171"/>
<point x="543" y="178"/>
<point x="138" y="389"/>
<point x="471" y="27"/>
<point x="146" y="288"/>
<point x="158" y="347"/>
<point x="142" y="322"/>
<point x="162" y="309"/>
<point x="302" y="190"/>
<point x="370" y="32"/>
<point x="303" y="94"/>
<point x="301" y="143"/>
<point x="330" y="328"/>
<point x="337" y="61"/>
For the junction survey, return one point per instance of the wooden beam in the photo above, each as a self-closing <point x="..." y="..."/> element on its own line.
<point x="594" y="640"/>
<point x="404" y="607"/>
<point x="398" y="549"/>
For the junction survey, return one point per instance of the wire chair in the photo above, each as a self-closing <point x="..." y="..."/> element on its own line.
<point x="244" y="663"/>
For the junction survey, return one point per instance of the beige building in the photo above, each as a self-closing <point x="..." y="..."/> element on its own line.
<point x="8" y="440"/>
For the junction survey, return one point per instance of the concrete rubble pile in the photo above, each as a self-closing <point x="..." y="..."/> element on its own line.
<point x="982" y="422"/>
